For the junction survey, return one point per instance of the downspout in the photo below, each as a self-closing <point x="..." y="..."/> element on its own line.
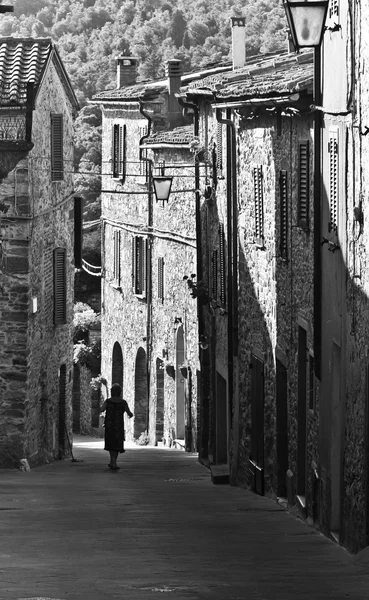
<point x="203" y="354"/>
<point x="317" y="216"/>
<point x="232" y="264"/>
<point x="149" y="262"/>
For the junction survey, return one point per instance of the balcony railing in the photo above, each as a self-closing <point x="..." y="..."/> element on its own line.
<point x="12" y="128"/>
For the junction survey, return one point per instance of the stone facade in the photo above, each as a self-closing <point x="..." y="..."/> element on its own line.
<point x="149" y="320"/>
<point x="35" y="354"/>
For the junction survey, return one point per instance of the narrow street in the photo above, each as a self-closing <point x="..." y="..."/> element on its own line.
<point x="157" y="528"/>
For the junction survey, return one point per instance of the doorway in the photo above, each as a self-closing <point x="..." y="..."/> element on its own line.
<point x="141" y="410"/>
<point x="301" y="416"/>
<point x="117" y="365"/>
<point x="282" y="429"/>
<point x="180" y="386"/>
<point x="336" y="439"/>
<point x="159" y="400"/>
<point x="257" y="424"/>
<point x="62" y="410"/>
<point x="221" y="421"/>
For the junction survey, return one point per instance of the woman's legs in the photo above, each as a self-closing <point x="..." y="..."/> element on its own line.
<point x="113" y="458"/>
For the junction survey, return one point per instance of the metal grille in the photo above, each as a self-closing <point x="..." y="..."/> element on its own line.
<point x="259" y="205"/>
<point x="283" y="213"/>
<point x="12" y="128"/>
<point x="333" y="182"/>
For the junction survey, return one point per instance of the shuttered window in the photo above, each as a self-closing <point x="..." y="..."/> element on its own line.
<point x="119" y="151"/>
<point x="222" y="265"/>
<point x="259" y="205"/>
<point x="78" y="218"/>
<point x="60" y="286"/>
<point x="219" y="148"/>
<point x="303" y="190"/>
<point x="144" y="171"/>
<point x="116" y="263"/>
<point x="283" y="233"/>
<point x="333" y="181"/>
<point x="161" y="279"/>
<point x="214" y="275"/>
<point x="333" y="14"/>
<point x="57" y="166"/>
<point x="139" y="265"/>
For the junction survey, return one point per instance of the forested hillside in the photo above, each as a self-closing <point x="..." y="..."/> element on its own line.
<point x="91" y="33"/>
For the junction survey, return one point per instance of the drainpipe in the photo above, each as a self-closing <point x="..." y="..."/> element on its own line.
<point x="232" y="265"/>
<point x="149" y="261"/>
<point x="317" y="215"/>
<point x="204" y="354"/>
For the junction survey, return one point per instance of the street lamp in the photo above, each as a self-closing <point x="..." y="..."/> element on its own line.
<point x="306" y="19"/>
<point x="162" y="186"/>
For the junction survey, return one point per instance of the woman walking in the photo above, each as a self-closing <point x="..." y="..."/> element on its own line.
<point x="115" y="408"/>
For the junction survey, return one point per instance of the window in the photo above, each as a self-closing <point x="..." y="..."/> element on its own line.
<point x="333" y="20"/>
<point x="116" y="261"/>
<point x="78" y="232"/>
<point x="214" y="275"/>
<point x="259" y="205"/>
<point x="119" y="151"/>
<point x="139" y="265"/>
<point x="60" y="286"/>
<point x="303" y="198"/>
<point x="283" y="233"/>
<point x="222" y="264"/>
<point x="333" y="182"/>
<point x="57" y="167"/>
<point x="144" y="167"/>
<point x="161" y="279"/>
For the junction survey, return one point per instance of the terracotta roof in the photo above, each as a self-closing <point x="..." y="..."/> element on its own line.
<point x="21" y="61"/>
<point x="180" y="135"/>
<point x="142" y="91"/>
<point x="280" y="74"/>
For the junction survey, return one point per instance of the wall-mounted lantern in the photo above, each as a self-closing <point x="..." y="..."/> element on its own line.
<point x="306" y="19"/>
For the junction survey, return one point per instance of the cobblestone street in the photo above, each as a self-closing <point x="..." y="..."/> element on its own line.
<point x="158" y="528"/>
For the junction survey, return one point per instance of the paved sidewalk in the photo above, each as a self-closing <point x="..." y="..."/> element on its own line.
<point x="158" y="528"/>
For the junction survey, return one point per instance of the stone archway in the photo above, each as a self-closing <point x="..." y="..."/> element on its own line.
<point x="180" y="387"/>
<point x="117" y="365"/>
<point x="141" y="410"/>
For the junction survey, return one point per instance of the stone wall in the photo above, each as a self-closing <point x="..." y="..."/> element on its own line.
<point x="33" y="349"/>
<point x="147" y="325"/>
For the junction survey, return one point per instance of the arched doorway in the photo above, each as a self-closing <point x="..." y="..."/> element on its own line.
<point x="159" y="400"/>
<point x="141" y="410"/>
<point x="180" y="386"/>
<point x="117" y="365"/>
<point x="62" y="410"/>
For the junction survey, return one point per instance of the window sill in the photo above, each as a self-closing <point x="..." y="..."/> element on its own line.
<point x="140" y="296"/>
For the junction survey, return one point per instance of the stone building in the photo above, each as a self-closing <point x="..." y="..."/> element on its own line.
<point x="37" y="207"/>
<point x="149" y="319"/>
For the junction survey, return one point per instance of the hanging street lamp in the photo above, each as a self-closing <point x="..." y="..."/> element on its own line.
<point x="162" y="187"/>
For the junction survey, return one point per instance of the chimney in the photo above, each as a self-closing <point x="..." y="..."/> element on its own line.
<point x="173" y="70"/>
<point x="238" y="42"/>
<point x="126" y="70"/>
<point x="290" y="45"/>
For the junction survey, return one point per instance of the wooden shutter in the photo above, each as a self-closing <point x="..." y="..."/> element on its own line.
<point x="222" y="264"/>
<point x="219" y="148"/>
<point x="144" y="266"/>
<point x="303" y="199"/>
<point x="333" y="181"/>
<point x="57" y="147"/>
<point x="283" y="213"/>
<point x="117" y="257"/>
<point x="134" y="264"/>
<point x="143" y="163"/>
<point x="334" y="9"/>
<point x="214" y="272"/>
<point x="119" y="151"/>
<point x="60" y="287"/>
<point x="78" y="235"/>
<point x="161" y="279"/>
<point x="259" y="205"/>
